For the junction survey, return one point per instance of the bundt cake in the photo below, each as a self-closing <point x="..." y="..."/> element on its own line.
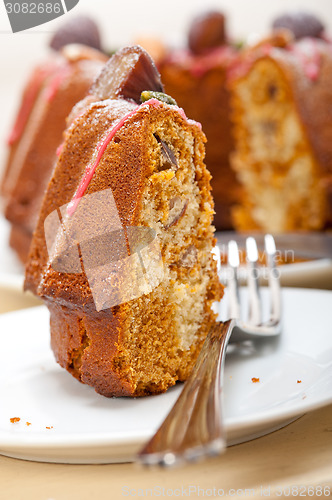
<point x="281" y="101"/>
<point x="51" y="92"/>
<point x="122" y="250"/>
<point x="196" y="78"/>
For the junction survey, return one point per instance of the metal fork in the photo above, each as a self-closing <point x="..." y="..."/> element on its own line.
<point x="194" y="427"/>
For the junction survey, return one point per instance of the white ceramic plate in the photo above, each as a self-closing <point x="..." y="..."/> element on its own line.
<point x="88" y="428"/>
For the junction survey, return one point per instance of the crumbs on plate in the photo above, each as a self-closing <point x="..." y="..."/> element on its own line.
<point x="14" y="420"/>
<point x="299" y="381"/>
<point x="51" y="427"/>
<point x="254" y="380"/>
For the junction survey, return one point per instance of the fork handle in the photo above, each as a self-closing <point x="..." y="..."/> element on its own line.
<point x="194" y="426"/>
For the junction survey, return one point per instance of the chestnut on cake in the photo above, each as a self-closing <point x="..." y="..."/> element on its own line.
<point x="129" y="313"/>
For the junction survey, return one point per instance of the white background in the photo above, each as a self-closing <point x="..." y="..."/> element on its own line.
<point x="121" y="21"/>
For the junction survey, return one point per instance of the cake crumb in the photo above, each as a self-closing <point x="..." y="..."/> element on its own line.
<point x="14" y="420"/>
<point x="299" y="381"/>
<point x="255" y="380"/>
<point x="27" y="424"/>
<point x="51" y="427"/>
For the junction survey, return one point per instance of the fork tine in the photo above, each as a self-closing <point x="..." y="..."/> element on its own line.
<point x="273" y="279"/>
<point x="255" y="309"/>
<point x="233" y="260"/>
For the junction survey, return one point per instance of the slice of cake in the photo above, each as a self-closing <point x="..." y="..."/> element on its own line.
<point x="122" y="250"/>
<point x="52" y="90"/>
<point x="282" y="100"/>
<point x="197" y="78"/>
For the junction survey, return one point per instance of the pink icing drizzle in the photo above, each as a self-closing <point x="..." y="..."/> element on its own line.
<point x="182" y="113"/>
<point x="29" y="96"/>
<point x="306" y="51"/>
<point x="199" y="65"/>
<point x="59" y="149"/>
<point x="309" y="56"/>
<point x="90" y="170"/>
<point x="56" y="81"/>
<point x="32" y="89"/>
<point x="243" y="64"/>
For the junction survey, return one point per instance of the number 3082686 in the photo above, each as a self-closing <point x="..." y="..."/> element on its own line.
<point x="33" y="8"/>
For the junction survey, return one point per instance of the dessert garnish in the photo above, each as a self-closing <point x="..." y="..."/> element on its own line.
<point x="127" y="74"/>
<point x="80" y="29"/>
<point x="301" y="24"/>
<point x="161" y="96"/>
<point x="207" y="31"/>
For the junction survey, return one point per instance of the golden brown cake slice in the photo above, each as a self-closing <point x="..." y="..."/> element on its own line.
<point x="282" y="98"/>
<point x="129" y="312"/>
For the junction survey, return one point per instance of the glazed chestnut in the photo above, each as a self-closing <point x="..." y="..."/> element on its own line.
<point x="80" y="29"/>
<point x="301" y="24"/>
<point x="127" y="74"/>
<point x="207" y="31"/>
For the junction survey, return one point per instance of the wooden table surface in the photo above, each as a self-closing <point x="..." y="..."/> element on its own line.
<point x="298" y="456"/>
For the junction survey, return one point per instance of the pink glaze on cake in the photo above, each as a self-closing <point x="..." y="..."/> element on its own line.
<point x="242" y="65"/>
<point x="199" y="65"/>
<point x="309" y="56"/>
<point x="52" y="89"/>
<point x="182" y="113"/>
<point x="59" y="149"/>
<point x="29" y="96"/>
<point x="306" y="51"/>
<point x="90" y="170"/>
